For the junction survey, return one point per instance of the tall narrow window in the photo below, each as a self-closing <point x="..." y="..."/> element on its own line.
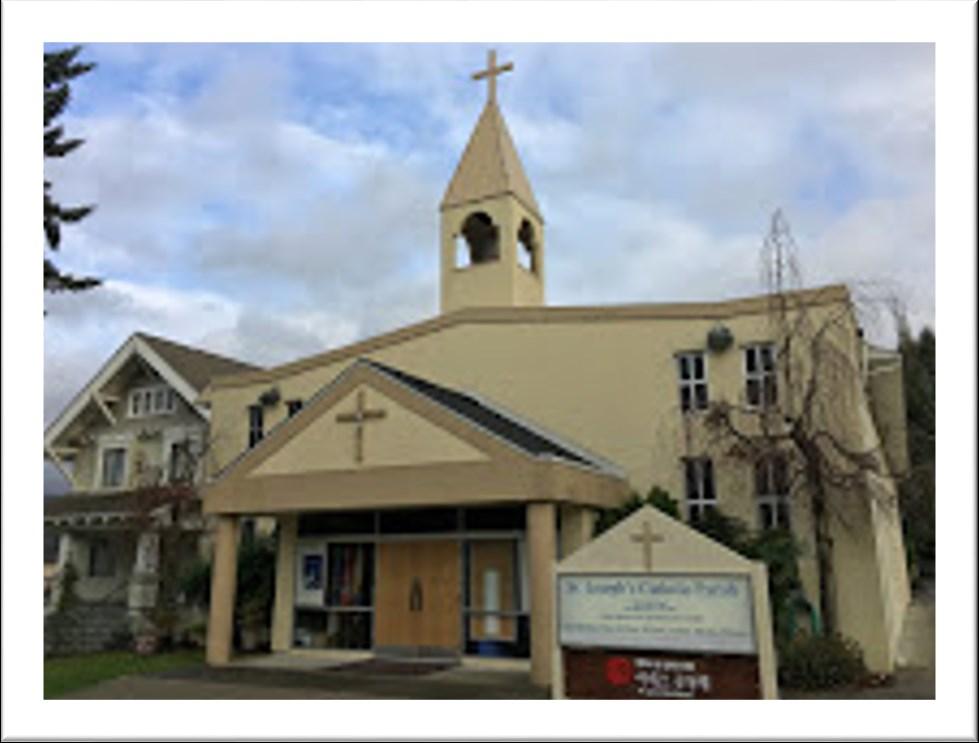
<point x="692" y="373"/>
<point x="699" y="486"/>
<point x="256" y="424"/>
<point x="113" y="466"/>
<point x="761" y="388"/>
<point x="772" y="492"/>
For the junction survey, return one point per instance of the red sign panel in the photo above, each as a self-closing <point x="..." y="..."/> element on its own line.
<point x="601" y="673"/>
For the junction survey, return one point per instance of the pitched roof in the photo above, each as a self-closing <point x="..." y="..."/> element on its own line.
<point x="196" y="366"/>
<point x="490" y="165"/>
<point x="491" y="418"/>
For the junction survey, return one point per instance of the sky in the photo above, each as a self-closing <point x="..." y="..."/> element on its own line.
<point x="270" y="201"/>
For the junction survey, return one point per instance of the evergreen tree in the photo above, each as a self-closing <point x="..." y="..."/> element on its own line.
<point x="918" y="489"/>
<point x="60" y="68"/>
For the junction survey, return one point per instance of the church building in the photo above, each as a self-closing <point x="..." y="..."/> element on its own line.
<point x="425" y="481"/>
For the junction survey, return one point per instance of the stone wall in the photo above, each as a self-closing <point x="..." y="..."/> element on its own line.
<point x="86" y="628"/>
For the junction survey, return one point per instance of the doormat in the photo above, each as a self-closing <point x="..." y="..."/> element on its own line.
<point x="384" y="667"/>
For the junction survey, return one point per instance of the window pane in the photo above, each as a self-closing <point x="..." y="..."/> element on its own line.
<point x="684" y="367"/>
<point x="113" y="461"/>
<point x="351" y="580"/>
<point x="754" y="398"/>
<point x="698" y="367"/>
<point x="691" y="479"/>
<point x="765" y="515"/>
<point x="685" y="398"/>
<point x="171" y="400"/>
<point x="700" y="391"/>
<point x="766" y="358"/>
<point x="708" y="470"/>
<point x="780" y="476"/>
<point x="750" y="364"/>
<point x="134" y="403"/>
<point x="770" y="390"/>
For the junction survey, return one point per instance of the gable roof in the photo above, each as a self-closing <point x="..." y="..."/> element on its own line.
<point x="477" y="413"/>
<point x="186" y="369"/>
<point x="195" y="365"/>
<point x="493" y="419"/>
<point x="514" y="461"/>
<point x="490" y="166"/>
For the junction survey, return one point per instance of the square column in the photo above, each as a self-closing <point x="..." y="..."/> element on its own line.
<point x="577" y="527"/>
<point x="283" y="611"/>
<point x="224" y="579"/>
<point x="542" y="545"/>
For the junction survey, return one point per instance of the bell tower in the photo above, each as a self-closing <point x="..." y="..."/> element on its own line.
<point x="492" y="232"/>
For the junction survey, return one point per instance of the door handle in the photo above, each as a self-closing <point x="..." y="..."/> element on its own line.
<point x="415" y="595"/>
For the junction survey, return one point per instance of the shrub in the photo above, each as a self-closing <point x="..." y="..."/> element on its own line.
<point x="820" y="662"/>
<point x="656" y="497"/>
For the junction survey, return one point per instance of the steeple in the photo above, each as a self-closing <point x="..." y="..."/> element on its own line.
<point x="492" y="229"/>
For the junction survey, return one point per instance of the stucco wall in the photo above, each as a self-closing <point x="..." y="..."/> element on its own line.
<point x="609" y="384"/>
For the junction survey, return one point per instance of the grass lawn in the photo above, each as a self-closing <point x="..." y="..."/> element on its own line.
<point x="69" y="673"/>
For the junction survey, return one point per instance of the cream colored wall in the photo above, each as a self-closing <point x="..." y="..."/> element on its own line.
<point x="610" y="385"/>
<point x="885" y="386"/>
<point x="501" y="283"/>
<point x="401" y="438"/>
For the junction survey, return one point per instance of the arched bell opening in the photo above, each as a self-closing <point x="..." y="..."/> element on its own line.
<point x="527" y="246"/>
<point x="479" y="241"/>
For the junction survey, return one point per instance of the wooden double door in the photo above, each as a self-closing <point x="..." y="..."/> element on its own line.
<point x="417" y="600"/>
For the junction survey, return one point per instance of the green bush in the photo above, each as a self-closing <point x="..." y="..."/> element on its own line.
<point x="656" y="497"/>
<point x="820" y="662"/>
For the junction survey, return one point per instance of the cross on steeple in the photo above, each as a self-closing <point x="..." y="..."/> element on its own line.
<point x="490" y="74"/>
<point x="647" y="539"/>
<point x="359" y="417"/>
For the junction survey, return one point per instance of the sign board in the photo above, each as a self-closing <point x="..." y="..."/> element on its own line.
<point x="653" y="609"/>
<point x="629" y="674"/>
<point x="694" y="613"/>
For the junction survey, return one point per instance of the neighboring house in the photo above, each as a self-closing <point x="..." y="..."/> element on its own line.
<point x="133" y="444"/>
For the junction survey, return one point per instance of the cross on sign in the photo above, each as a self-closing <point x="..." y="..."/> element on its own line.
<point x="490" y="74"/>
<point x="647" y="539"/>
<point x="359" y="417"/>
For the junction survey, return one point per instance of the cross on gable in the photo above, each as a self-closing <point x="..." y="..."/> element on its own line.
<point x="491" y="73"/>
<point x="647" y="539"/>
<point x="359" y="417"/>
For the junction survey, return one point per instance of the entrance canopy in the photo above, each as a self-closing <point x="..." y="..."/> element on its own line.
<point x="378" y="437"/>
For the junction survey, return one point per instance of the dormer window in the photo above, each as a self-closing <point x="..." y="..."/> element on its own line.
<point x="156" y="400"/>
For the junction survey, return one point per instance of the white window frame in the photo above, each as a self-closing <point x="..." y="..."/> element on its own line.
<point x="693" y="382"/>
<point x="699" y="502"/>
<point x="767" y="494"/>
<point x="113" y="442"/>
<point x="142" y="401"/>
<point x="760" y="374"/>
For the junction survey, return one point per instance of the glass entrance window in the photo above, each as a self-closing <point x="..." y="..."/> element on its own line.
<point x="346" y="616"/>
<point x="495" y="620"/>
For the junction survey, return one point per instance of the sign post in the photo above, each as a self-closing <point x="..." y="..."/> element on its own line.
<point x="694" y="623"/>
